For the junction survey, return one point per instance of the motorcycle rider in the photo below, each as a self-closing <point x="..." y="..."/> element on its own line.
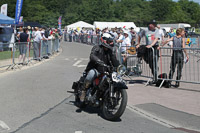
<point x="101" y="58"/>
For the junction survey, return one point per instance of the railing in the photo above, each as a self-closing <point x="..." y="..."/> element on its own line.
<point x="12" y="54"/>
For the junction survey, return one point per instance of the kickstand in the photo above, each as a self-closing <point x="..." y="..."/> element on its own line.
<point x="161" y="83"/>
<point x="148" y="82"/>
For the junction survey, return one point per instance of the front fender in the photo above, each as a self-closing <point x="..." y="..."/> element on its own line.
<point x="120" y="85"/>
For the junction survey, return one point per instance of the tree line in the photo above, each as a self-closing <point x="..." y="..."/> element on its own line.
<point x="138" y="11"/>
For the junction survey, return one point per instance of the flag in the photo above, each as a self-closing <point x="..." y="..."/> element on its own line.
<point x="60" y="22"/>
<point x="18" y="10"/>
<point x="4" y="8"/>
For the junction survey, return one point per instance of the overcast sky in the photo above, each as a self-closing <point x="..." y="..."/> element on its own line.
<point x="198" y="1"/>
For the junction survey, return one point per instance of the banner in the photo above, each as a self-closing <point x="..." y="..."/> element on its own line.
<point x="60" y="22"/>
<point x="18" y="10"/>
<point x="20" y="19"/>
<point x="4" y="8"/>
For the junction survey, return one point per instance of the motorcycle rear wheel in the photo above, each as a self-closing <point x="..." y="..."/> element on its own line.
<point x="121" y="98"/>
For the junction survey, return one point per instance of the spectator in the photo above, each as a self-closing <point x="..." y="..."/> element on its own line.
<point x="160" y="33"/>
<point x="177" y="56"/>
<point x="170" y="35"/>
<point x="45" y="35"/>
<point x="57" y="37"/>
<point x="151" y="35"/>
<point x="126" y="43"/>
<point x="23" y="39"/>
<point x="133" y="35"/>
<point x="120" y="38"/>
<point x="36" y="44"/>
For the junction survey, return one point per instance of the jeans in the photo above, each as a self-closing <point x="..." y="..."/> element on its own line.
<point x="92" y="74"/>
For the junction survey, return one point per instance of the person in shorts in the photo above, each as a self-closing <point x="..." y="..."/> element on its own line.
<point x="23" y="42"/>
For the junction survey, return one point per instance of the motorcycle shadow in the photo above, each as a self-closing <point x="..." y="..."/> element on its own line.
<point x="93" y="110"/>
<point x="136" y="81"/>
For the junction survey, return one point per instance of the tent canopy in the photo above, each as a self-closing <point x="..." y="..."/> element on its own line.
<point x="80" y="24"/>
<point x="6" y="20"/>
<point x="102" y="25"/>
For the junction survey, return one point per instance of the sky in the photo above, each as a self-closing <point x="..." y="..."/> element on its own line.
<point x="197" y="1"/>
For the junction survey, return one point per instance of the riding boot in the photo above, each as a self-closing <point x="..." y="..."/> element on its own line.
<point x="85" y="86"/>
<point x="83" y="93"/>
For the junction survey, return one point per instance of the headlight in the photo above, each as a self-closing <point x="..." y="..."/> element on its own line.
<point x="121" y="69"/>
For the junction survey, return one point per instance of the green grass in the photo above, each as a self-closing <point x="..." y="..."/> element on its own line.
<point x="8" y="54"/>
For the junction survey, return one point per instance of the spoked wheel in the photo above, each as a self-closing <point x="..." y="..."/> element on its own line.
<point x="114" y="107"/>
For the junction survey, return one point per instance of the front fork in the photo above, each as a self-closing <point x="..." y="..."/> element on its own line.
<point x="111" y="93"/>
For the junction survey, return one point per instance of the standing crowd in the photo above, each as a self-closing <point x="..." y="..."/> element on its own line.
<point x="153" y="39"/>
<point x="37" y="38"/>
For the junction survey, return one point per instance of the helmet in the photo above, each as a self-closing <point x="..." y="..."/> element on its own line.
<point x="107" y="40"/>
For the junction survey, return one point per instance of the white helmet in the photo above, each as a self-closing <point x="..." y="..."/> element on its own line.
<point x="107" y="40"/>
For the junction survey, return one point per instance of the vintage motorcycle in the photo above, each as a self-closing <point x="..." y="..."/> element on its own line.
<point x="108" y="92"/>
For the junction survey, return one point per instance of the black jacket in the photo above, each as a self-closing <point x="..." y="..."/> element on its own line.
<point x="98" y="57"/>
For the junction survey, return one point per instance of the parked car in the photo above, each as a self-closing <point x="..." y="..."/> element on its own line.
<point x="5" y="37"/>
<point x="191" y="34"/>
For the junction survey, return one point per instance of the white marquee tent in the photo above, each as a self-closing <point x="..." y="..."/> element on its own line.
<point x="102" y="25"/>
<point x="80" y="24"/>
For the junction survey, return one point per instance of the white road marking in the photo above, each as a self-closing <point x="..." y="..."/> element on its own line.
<point x="3" y="126"/>
<point x="78" y="132"/>
<point x="67" y="59"/>
<point x="152" y="117"/>
<point x="75" y="58"/>
<point x="157" y="119"/>
<point x="77" y="64"/>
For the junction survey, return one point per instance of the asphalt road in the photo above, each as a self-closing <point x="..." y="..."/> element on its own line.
<point x="36" y="100"/>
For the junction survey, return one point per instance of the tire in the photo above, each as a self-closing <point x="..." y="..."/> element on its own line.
<point x="120" y="111"/>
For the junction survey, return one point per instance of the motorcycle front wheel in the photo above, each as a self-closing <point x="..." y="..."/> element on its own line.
<point x="113" y="108"/>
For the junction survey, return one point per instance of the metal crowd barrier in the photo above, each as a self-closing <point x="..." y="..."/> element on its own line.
<point x="190" y="70"/>
<point x="142" y="66"/>
<point x="138" y="66"/>
<point x="83" y="38"/>
<point x="10" y="52"/>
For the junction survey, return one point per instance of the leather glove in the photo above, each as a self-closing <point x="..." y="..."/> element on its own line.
<point x="100" y="62"/>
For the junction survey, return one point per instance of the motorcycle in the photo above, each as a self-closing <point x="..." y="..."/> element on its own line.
<point x="108" y="92"/>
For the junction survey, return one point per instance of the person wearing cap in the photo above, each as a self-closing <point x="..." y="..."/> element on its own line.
<point x="133" y="35"/>
<point x="126" y="43"/>
<point x="151" y="37"/>
<point x="120" y="37"/>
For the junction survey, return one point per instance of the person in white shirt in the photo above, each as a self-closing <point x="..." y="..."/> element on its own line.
<point x="120" y="38"/>
<point x="36" y="44"/>
<point x="125" y="45"/>
<point x="161" y="33"/>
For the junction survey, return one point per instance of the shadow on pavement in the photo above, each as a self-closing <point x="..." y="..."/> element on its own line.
<point x="136" y="81"/>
